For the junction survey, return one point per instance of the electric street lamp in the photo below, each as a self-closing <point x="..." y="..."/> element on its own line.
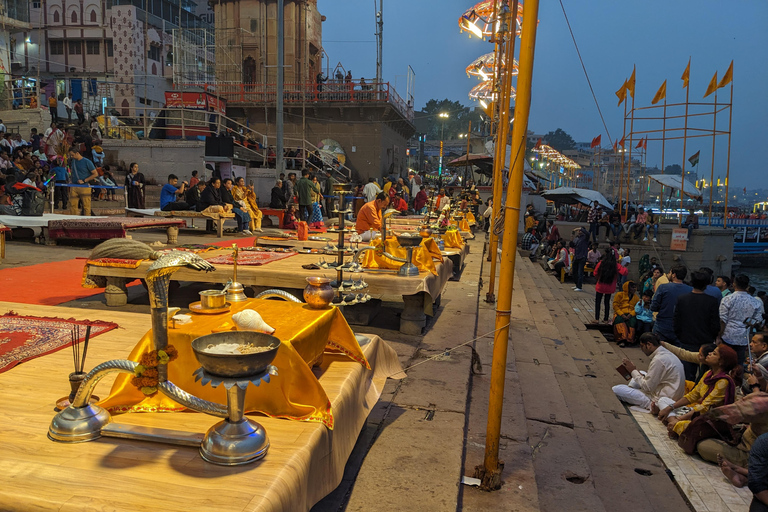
<point x="443" y="116"/>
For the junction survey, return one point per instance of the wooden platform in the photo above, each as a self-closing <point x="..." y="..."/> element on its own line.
<point x="304" y="463"/>
<point x="418" y="292"/>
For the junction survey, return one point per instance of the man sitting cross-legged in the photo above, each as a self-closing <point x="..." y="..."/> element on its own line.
<point x="665" y="377"/>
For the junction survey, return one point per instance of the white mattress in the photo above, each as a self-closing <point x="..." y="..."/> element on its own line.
<point x="14" y="221"/>
<point x="147" y="212"/>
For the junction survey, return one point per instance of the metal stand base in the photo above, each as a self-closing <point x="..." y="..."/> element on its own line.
<point x="78" y="425"/>
<point x="232" y="444"/>
<point x="408" y="268"/>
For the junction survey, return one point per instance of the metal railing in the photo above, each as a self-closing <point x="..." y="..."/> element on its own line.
<point x="330" y="91"/>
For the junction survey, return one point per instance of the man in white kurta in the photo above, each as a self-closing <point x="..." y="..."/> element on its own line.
<point x="665" y="377"/>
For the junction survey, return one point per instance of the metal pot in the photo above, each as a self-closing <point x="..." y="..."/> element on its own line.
<point x="213" y="299"/>
<point x="318" y="293"/>
<point x="235" y="365"/>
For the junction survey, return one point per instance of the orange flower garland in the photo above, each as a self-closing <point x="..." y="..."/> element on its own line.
<point x="145" y="373"/>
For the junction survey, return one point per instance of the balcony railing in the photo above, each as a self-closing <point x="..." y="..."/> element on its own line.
<point x="15" y="10"/>
<point x="336" y="92"/>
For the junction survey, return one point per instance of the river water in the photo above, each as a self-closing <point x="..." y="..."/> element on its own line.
<point x="758" y="277"/>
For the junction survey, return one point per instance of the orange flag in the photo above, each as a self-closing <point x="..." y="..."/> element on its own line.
<point x="631" y="83"/>
<point x="686" y="74"/>
<point x="615" y="146"/>
<point x="622" y="141"/>
<point x="622" y="92"/>
<point x="712" y="87"/>
<point x="727" y="77"/>
<point x="660" y="94"/>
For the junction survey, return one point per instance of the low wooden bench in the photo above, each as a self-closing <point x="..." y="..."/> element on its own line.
<point x="217" y="218"/>
<point x="274" y="213"/>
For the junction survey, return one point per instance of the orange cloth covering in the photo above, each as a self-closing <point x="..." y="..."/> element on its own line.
<point x="453" y="239"/>
<point x="470" y="217"/>
<point x="369" y="217"/>
<point x="294" y="393"/>
<point x="423" y="255"/>
<point x="462" y="224"/>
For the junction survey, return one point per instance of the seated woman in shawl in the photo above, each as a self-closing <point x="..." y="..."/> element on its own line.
<point x="289" y="219"/>
<point x="246" y="197"/>
<point x="624" y="319"/>
<point x="716" y="388"/>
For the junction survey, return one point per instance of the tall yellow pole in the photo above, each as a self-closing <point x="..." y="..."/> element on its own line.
<point x="685" y="157"/>
<point x="621" y="151"/>
<point x="712" y="170"/>
<point x="491" y="470"/>
<point x="501" y="143"/>
<point x="629" y="162"/>
<point x="728" y="162"/>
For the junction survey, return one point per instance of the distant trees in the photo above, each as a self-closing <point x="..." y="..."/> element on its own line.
<point x="673" y="169"/>
<point x="559" y="140"/>
<point x="449" y="127"/>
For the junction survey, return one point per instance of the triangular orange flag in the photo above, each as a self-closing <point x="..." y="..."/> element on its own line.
<point x="686" y="74"/>
<point x="727" y="77"/>
<point x="660" y="94"/>
<point x="631" y="84"/>
<point x="622" y="92"/>
<point x="712" y="87"/>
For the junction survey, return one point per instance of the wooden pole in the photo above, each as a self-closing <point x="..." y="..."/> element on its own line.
<point x="466" y="163"/>
<point x="728" y="161"/>
<point x="712" y="170"/>
<point x="629" y="162"/>
<point x="492" y="468"/>
<point x="685" y="141"/>
<point x="621" y="165"/>
<point x="501" y="144"/>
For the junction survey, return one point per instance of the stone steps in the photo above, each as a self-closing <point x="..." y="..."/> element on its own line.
<point x="568" y="396"/>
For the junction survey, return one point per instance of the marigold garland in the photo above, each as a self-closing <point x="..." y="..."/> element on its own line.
<point x="146" y="375"/>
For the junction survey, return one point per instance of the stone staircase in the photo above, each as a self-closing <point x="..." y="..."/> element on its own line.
<point x="587" y="451"/>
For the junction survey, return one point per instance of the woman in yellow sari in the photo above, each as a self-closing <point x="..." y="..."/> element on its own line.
<point x="247" y="199"/>
<point x="716" y="388"/>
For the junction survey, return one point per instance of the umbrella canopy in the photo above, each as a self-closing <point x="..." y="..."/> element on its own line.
<point x="485" y="66"/>
<point x="577" y="195"/>
<point x="477" y="20"/>
<point x="484" y="91"/>
<point x="674" y="181"/>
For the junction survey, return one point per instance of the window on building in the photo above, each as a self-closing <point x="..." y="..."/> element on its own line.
<point x="154" y="53"/>
<point x="94" y="18"/>
<point x="93" y="47"/>
<point x="57" y="47"/>
<point x="74" y="17"/>
<point x="56" y="18"/>
<point x="36" y="4"/>
<point x="75" y="47"/>
<point x="108" y="44"/>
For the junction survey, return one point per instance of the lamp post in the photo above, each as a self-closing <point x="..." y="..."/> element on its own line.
<point x="443" y="116"/>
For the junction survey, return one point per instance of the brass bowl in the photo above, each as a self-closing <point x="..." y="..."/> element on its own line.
<point x="342" y="187"/>
<point x="409" y="240"/>
<point x="235" y="365"/>
<point x="213" y="299"/>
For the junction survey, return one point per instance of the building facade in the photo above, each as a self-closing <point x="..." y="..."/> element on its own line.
<point x="113" y="54"/>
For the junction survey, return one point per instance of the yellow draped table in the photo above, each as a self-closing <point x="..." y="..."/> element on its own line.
<point x="424" y="256"/>
<point x="470" y="218"/>
<point x="453" y="239"/>
<point x="294" y="393"/>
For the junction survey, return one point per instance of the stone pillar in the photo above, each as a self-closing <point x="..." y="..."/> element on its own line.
<point x="116" y="293"/>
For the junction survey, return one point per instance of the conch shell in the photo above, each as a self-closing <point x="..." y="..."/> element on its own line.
<point x="250" y="320"/>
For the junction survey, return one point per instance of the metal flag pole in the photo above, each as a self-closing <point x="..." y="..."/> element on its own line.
<point x="712" y="170"/>
<point x="621" y="165"/>
<point x="631" y="131"/>
<point x="728" y="162"/>
<point x="501" y="143"/>
<point x="279" y="163"/>
<point x="490" y="472"/>
<point x="685" y="141"/>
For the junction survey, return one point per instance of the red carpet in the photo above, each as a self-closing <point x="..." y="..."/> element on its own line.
<point x="28" y="337"/>
<point x="47" y="284"/>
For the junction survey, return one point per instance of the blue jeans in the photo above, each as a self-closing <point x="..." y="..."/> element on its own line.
<point x="243" y="219"/>
<point x="593" y="230"/>
<point x="655" y="228"/>
<point x="690" y="229"/>
<point x="578" y="269"/>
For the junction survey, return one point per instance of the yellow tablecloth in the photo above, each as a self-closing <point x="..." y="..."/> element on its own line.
<point x="470" y="217"/>
<point x="453" y="239"/>
<point x="423" y="255"/>
<point x="294" y="393"/>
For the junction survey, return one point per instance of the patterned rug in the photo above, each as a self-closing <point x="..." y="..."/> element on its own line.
<point x="250" y="258"/>
<point x="104" y="228"/>
<point x="26" y="337"/>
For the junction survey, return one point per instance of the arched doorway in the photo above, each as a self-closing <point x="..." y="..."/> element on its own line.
<point x="249" y="72"/>
<point x="126" y="108"/>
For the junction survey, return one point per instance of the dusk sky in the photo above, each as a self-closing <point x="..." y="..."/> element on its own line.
<point x="657" y="37"/>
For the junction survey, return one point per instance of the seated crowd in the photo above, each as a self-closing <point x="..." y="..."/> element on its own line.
<point x="708" y="354"/>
